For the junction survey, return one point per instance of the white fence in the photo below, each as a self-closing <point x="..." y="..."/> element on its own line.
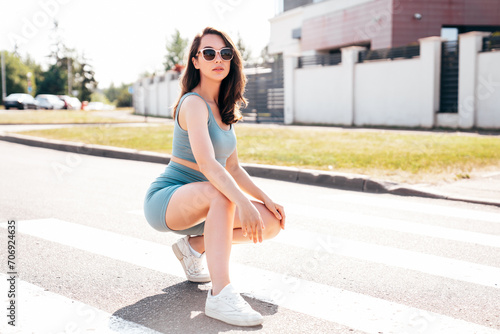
<point x="399" y="92"/>
<point x="155" y="96"/>
<point x="488" y="90"/>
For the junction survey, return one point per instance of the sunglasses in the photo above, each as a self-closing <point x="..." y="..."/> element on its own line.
<point x="209" y="54"/>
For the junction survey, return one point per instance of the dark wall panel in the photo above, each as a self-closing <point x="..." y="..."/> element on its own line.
<point x="291" y="4"/>
<point x="438" y="13"/>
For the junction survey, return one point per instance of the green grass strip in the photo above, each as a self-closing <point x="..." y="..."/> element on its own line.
<point x="54" y="117"/>
<point x="398" y="156"/>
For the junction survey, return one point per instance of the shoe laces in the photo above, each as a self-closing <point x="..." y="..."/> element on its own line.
<point x="236" y="300"/>
<point x="195" y="264"/>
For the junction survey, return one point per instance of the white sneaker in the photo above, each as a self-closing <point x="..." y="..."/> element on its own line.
<point x="230" y="307"/>
<point x="194" y="266"/>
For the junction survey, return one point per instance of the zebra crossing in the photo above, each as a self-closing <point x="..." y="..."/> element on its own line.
<point x="290" y="289"/>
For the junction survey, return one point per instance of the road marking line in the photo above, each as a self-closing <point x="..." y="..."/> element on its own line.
<point x="351" y="309"/>
<point x="397" y="225"/>
<point x="433" y="231"/>
<point x="36" y="308"/>
<point x="425" y="263"/>
<point x="401" y="205"/>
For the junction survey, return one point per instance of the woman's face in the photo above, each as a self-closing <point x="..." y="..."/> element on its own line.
<point x="216" y="69"/>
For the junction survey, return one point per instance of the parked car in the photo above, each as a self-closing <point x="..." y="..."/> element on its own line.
<point x="20" y="101"/>
<point x="49" y="101"/>
<point x="75" y="103"/>
<point x="70" y="102"/>
<point x="66" y="100"/>
<point x="44" y="102"/>
<point x="98" y="106"/>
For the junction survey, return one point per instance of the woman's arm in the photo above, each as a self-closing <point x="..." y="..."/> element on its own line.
<point x="248" y="186"/>
<point x="195" y="113"/>
<point x="243" y="179"/>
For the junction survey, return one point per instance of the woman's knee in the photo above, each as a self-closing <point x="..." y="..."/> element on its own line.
<point x="191" y="203"/>
<point x="272" y="226"/>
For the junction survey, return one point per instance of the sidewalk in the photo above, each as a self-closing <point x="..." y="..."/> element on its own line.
<point x="483" y="189"/>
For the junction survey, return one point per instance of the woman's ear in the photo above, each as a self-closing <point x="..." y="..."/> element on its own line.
<point x="195" y="62"/>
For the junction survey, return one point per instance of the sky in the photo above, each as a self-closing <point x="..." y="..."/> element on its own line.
<point x="125" y="38"/>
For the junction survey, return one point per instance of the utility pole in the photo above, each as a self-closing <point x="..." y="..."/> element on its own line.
<point x="30" y="87"/>
<point x="4" y="89"/>
<point x="69" y="76"/>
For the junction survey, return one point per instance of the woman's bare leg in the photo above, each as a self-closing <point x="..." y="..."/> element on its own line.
<point x="272" y="228"/>
<point x="191" y="204"/>
<point x="218" y="238"/>
<point x="194" y="202"/>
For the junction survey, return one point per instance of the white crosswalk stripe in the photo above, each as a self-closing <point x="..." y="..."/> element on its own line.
<point x="399" y="225"/>
<point x="431" y="209"/>
<point x="362" y="312"/>
<point x="430" y="264"/>
<point x="38" y="306"/>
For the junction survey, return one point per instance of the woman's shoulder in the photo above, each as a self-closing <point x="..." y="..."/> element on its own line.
<point x="193" y="103"/>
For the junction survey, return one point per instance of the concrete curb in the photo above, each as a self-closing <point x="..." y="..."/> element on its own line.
<point x="353" y="182"/>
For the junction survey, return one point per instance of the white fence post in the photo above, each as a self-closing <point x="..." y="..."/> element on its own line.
<point x="289" y="65"/>
<point x="146" y="93"/>
<point x="350" y="56"/>
<point x="470" y="45"/>
<point x="488" y="90"/>
<point x="430" y="57"/>
<point x="138" y="98"/>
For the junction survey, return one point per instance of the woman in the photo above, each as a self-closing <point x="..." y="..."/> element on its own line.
<point x="201" y="193"/>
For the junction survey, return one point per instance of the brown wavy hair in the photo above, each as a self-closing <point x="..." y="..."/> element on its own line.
<point x="232" y="86"/>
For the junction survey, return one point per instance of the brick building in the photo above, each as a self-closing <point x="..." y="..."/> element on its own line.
<point x="324" y="45"/>
<point x="312" y="26"/>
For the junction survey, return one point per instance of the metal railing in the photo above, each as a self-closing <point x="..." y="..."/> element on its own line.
<point x="406" y="52"/>
<point x="491" y="43"/>
<point x="449" y="77"/>
<point x="265" y="93"/>
<point x="320" y="60"/>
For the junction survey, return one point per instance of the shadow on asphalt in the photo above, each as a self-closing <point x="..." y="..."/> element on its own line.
<point x="180" y="309"/>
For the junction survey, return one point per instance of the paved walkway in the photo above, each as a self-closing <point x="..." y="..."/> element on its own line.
<point x="482" y="188"/>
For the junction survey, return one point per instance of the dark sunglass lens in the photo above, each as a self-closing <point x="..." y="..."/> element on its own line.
<point x="226" y="54"/>
<point x="209" y="54"/>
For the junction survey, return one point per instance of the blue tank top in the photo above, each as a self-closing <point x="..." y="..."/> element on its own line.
<point x="223" y="141"/>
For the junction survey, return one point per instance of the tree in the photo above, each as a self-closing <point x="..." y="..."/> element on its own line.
<point x="84" y="79"/>
<point x="265" y="57"/>
<point x="36" y="74"/>
<point x="64" y="73"/>
<point x="98" y="96"/>
<point x="176" y="48"/>
<point x="54" y="81"/>
<point x="119" y="96"/>
<point x="16" y="74"/>
<point x="58" y="79"/>
<point x="125" y="98"/>
<point x="112" y="92"/>
<point x="245" y="52"/>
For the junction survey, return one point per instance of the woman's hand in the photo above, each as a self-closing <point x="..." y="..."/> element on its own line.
<point x="251" y="222"/>
<point x="277" y="210"/>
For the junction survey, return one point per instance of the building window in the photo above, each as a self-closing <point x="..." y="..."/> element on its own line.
<point x="291" y="4"/>
<point x="450" y="34"/>
<point x="278" y="6"/>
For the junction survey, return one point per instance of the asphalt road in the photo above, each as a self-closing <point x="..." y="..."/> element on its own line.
<point x="86" y="261"/>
